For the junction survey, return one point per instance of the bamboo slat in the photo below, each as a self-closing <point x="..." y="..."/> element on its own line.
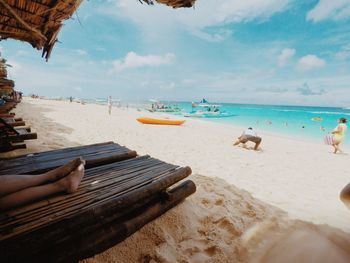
<point x="63" y="205"/>
<point x="113" y="201"/>
<point x="95" y="155"/>
<point x="79" y="242"/>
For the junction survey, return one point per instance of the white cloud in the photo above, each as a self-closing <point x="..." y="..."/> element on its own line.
<point x="285" y="55"/>
<point x="305" y="90"/>
<point x="132" y="60"/>
<point x="329" y="9"/>
<point x="168" y="86"/>
<point x="310" y="62"/>
<point x="207" y="13"/>
<point x="79" y="89"/>
<point x="342" y="55"/>
<point x="14" y="67"/>
<point x="81" y="52"/>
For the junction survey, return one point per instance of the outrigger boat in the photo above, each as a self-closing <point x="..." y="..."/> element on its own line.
<point x="204" y="109"/>
<point x="158" y="106"/>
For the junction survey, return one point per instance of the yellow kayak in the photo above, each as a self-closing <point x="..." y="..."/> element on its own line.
<point x="145" y="120"/>
<point x="318" y="119"/>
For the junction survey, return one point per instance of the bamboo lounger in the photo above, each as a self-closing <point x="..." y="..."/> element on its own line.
<point x="94" y="155"/>
<point x="7" y="107"/>
<point x="113" y="201"/>
<point x="11" y="134"/>
<point x="14" y="122"/>
<point x="7" y="115"/>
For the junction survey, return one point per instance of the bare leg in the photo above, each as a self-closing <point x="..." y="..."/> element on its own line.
<point x="13" y="183"/>
<point x="67" y="184"/>
<point x="257" y="145"/>
<point x="336" y="147"/>
<point x="345" y="196"/>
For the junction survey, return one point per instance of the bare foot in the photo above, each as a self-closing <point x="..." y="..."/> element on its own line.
<point x="71" y="182"/>
<point x="64" y="170"/>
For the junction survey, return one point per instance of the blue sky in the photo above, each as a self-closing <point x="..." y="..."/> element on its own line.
<point x="257" y="51"/>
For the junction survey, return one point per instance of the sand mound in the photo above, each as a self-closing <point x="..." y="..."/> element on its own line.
<point x="222" y="223"/>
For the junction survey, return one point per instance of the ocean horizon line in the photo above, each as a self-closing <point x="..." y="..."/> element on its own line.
<point x="191" y="101"/>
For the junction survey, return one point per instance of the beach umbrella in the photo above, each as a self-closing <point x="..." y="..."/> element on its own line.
<point x="38" y="22"/>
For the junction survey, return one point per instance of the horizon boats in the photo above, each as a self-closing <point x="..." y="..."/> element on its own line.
<point x="158" y="106"/>
<point x="207" y="110"/>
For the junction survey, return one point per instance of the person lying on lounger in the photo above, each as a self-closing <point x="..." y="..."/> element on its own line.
<point x="18" y="190"/>
<point x="345" y="195"/>
<point x="249" y="135"/>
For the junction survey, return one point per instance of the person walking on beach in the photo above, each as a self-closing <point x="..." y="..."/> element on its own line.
<point x="249" y="135"/>
<point x="18" y="190"/>
<point x="338" y="134"/>
<point x="109" y="103"/>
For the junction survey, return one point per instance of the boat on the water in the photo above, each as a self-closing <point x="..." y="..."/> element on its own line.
<point x="157" y="106"/>
<point x="146" y="120"/>
<point x="204" y="109"/>
<point x="317" y="119"/>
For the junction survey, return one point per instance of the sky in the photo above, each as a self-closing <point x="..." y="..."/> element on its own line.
<point x="285" y="52"/>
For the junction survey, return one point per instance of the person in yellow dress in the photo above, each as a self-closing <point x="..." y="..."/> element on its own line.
<point x="339" y="134"/>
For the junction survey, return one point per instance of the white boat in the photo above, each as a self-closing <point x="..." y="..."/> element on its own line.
<point x="158" y="106"/>
<point x="204" y="109"/>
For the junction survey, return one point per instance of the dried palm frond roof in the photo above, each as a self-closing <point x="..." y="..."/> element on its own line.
<point x="38" y="22"/>
<point x="6" y="83"/>
<point x="35" y="21"/>
<point x="173" y="3"/>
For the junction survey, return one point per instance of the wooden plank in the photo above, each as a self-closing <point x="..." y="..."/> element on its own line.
<point x="11" y="147"/>
<point x="40" y="156"/>
<point x="80" y="242"/>
<point x="63" y="150"/>
<point x="118" y="182"/>
<point x="94" y="154"/>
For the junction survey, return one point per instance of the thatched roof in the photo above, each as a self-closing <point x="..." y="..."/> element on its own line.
<point x="38" y="22"/>
<point x="35" y="21"/>
<point x="173" y="3"/>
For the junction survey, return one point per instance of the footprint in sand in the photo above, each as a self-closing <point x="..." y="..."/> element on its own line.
<point x="228" y="227"/>
<point x="199" y="250"/>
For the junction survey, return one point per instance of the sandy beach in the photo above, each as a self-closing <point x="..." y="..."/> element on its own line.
<point x="243" y="196"/>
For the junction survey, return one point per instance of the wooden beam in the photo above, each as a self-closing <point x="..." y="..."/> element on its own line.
<point x="21" y="21"/>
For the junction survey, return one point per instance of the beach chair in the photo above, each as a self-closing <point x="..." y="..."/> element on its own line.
<point x="7" y="115"/>
<point x="10" y="134"/>
<point x="14" y="122"/>
<point x="113" y="201"/>
<point x="8" y="106"/>
<point x="12" y="146"/>
<point x="94" y="155"/>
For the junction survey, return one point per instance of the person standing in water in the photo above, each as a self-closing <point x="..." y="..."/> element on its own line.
<point x="109" y="103"/>
<point x="339" y="134"/>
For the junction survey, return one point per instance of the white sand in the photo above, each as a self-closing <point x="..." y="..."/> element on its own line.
<point x="219" y="221"/>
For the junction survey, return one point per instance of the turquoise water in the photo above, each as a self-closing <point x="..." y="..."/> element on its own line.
<point x="288" y="120"/>
<point x="294" y="121"/>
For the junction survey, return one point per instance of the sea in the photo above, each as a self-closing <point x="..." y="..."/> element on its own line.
<point x="296" y="121"/>
<point x="292" y="121"/>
